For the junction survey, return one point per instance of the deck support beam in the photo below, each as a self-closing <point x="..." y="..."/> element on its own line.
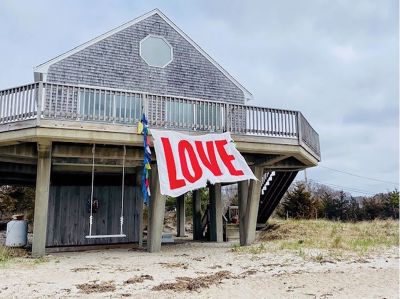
<point x="253" y="201"/>
<point x="156" y="214"/>
<point x="216" y="224"/>
<point x="180" y="216"/>
<point x="41" y="198"/>
<point x="243" y="190"/>
<point x="196" y="202"/>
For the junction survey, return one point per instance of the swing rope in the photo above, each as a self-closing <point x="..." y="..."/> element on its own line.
<point x="123" y="191"/>
<point x="91" y="193"/>
<point x="121" y="219"/>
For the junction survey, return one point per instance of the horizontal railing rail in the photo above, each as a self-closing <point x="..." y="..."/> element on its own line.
<point x="108" y="105"/>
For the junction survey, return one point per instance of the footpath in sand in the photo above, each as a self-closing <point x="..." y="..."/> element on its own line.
<point x="200" y="270"/>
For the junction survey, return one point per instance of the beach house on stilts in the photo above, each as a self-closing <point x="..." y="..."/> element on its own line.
<point x="72" y="133"/>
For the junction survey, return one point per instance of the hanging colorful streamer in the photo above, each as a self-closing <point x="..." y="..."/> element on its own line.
<point x="143" y="128"/>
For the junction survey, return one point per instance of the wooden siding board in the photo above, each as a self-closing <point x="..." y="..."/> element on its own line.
<point x="111" y="217"/>
<point x="133" y="225"/>
<point x="85" y="194"/>
<point x="139" y="209"/>
<point x="50" y="217"/>
<point x="58" y="213"/>
<point x="68" y="221"/>
<point x="75" y="218"/>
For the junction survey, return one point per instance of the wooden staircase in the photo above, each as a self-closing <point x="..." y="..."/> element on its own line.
<point x="274" y="186"/>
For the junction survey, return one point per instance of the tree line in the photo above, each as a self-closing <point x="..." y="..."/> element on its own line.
<point x="301" y="201"/>
<point x="311" y="201"/>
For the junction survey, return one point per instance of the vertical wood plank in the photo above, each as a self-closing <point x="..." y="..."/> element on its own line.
<point x="50" y="217"/>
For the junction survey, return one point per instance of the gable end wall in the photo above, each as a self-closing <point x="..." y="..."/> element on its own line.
<point x="115" y="62"/>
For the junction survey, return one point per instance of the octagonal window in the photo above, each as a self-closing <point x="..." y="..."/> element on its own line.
<point x="156" y="51"/>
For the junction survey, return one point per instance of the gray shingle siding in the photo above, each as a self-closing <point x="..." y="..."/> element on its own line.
<point x="115" y="62"/>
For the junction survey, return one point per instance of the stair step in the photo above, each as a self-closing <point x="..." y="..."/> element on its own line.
<point x="277" y="187"/>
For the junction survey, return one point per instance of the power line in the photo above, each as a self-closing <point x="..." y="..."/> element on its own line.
<point x="360" y="176"/>
<point x="350" y="189"/>
<point x="344" y="188"/>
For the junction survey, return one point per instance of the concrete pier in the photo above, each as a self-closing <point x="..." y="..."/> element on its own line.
<point x="41" y="198"/>
<point x="180" y="216"/>
<point x="196" y="203"/>
<point x="156" y="214"/>
<point x="243" y="188"/>
<point x="253" y="201"/>
<point x="216" y="224"/>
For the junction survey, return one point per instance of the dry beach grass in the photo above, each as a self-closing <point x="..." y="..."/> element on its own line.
<point x="334" y="239"/>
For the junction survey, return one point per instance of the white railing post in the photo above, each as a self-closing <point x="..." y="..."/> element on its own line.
<point x="227" y="117"/>
<point x="145" y="105"/>
<point x="39" y="102"/>
<point x="299" y="125"/>
<point x="194" y="116"/>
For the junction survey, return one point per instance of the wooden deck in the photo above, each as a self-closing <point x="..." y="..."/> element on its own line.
<point x="87" y="114"/>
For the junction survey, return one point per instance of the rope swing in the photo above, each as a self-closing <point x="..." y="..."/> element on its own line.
<point x="121" y="219"/>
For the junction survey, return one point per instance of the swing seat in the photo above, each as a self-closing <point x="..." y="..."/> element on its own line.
<point x="105" y="236"/>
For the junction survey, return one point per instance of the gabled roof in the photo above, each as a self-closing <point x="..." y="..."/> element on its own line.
<point x="43" y="68"/>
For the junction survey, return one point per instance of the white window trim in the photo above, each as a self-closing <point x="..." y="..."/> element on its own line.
<point x="160" y="37"/>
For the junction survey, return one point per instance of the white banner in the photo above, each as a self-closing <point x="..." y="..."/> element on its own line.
<point x="187" y="162"/>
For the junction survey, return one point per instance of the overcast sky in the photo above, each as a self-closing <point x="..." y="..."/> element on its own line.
<point x="336" y="61"/>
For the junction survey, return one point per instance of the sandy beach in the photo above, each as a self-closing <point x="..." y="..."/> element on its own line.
<point x="199" y="270"/>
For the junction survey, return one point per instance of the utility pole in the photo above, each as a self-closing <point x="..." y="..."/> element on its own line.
<point x="305" y="177"/>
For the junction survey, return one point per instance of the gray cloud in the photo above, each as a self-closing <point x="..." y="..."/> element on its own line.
<point x="381" y="117"/>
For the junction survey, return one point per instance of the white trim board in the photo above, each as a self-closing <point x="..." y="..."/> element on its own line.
<point x="43" y="68"/>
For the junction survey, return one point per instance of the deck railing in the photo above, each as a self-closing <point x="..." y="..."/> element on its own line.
<point x="19" y="103"/>
<point x="106" y="105"/>
<point x="308" y="135"/>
